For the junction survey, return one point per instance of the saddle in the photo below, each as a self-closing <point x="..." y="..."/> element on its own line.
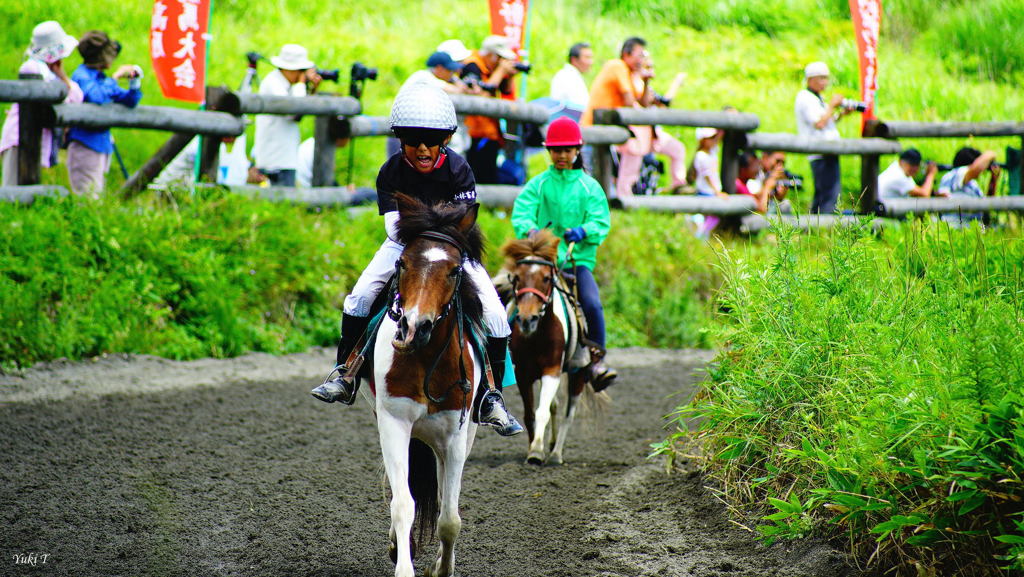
<point x="360" y="361"/>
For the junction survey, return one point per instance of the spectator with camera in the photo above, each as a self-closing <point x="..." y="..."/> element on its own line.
<point x="968" y="166"/>
<point x="816" y="118"/>
<point x="45" y="58"/>
<point x="277" y="139"/>
<point x="623" y="82"/>
<point x="568" y="86"/>
<point x="614" y="86"/>
<point x="89" y="150"/>
<point x="650" y="140"/>
<point x="897" y="181"/>
<point x="489" y="72"/>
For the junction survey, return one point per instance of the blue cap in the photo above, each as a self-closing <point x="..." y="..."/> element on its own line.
<point x="443" y="59"/>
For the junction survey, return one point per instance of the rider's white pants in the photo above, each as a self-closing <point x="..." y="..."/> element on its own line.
<point x="382" y="266"/>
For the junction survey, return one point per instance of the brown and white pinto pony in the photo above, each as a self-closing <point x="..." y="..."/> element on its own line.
<point x="421" y="360"/>
<point x="544" y="341"/>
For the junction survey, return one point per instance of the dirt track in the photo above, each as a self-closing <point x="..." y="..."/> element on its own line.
<point x="141" y="466"/>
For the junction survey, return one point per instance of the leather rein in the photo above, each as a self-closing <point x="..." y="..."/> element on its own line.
<point x="396" y="312"/>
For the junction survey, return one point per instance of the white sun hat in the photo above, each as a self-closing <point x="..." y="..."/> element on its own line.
<point x="292" y="57"/>
<point x="50" y="43"/>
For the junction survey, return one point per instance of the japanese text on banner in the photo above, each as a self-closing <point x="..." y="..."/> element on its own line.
<point x="177" y="47"/>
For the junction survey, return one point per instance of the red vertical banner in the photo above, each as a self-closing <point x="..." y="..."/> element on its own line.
<point x="177" y="47"/>
<point x="508" y="19"/>
<point x="867" y="21"/>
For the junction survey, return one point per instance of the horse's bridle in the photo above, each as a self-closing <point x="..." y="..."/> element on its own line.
<point x="544" y="298"/>
<point x="395" y="312"/>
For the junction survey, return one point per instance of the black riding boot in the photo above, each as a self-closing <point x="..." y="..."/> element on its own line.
<point x="601" y="375"/>
<point x="338" y="388"/>
<point x="493" y="412"/>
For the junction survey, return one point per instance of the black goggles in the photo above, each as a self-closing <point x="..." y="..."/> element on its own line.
<point x="429" y="137"/>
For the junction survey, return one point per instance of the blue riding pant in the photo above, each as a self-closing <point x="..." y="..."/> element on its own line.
<point x="590" y="302"/>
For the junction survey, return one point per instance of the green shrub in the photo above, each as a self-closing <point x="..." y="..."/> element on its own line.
<point x="981" y="39"/>
<point x="220" y="275"/>
<point x="876" y="390"/>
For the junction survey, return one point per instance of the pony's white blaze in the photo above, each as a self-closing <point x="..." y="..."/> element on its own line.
<point x="435" y="254"/>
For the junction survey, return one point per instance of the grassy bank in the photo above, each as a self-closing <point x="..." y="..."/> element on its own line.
<point x="221" y="275"/>
<point x="948" y="60"/>
<point x="871" y="388"/>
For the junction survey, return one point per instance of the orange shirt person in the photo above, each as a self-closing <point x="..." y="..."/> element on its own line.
<point x="614" y="87"/>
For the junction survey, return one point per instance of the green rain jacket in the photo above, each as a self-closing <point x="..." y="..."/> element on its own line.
<point x="565" y="199"/>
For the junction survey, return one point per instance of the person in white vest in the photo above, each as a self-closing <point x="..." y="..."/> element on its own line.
<point x="276" y="151"/>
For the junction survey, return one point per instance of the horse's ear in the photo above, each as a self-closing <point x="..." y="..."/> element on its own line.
<point x="469" y="219"/>
<point x="405" y="202"/>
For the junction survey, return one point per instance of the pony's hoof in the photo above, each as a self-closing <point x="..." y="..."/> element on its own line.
<point x="534" y="459"/>
<point x="554" y="459"/>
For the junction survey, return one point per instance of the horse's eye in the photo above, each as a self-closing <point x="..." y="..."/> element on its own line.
<point x="547" y="278"/>
<point x="455" y="272"/>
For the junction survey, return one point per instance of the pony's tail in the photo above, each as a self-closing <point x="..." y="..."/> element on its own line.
<point x="594" y="408"/>
<point x="423" y="486"/>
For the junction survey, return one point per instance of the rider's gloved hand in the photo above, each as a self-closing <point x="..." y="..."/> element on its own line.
<point x="575" y="234"/>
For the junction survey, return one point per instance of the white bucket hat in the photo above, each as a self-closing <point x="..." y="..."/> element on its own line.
<point x="455" y="48"/>
<point x="816" y="69"/>
<point x="292" y="57"/>
<point x="50" y="43"/>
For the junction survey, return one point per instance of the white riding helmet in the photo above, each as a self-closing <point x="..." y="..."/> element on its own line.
<point x="423" y="105"/>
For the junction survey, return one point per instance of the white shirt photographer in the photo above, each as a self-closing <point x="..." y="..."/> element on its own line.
<point x="894" y="182"/>
<point x="277" y="136"/>
<point x="809" y="108"/>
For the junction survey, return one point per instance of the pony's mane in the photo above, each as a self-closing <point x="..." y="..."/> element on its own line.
<point x="544" y="245"/>
<point x="417" y="217"/>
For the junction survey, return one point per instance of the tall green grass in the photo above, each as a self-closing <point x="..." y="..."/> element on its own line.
<point x="220" y="275"/>
<point x="876" y="391"/>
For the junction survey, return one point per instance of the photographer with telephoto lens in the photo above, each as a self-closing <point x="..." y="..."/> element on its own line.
<point x="489" y="71"/>
<point x="276" y="151"/>
<point x="897" y="181"/>
<point x="816" y="118"/>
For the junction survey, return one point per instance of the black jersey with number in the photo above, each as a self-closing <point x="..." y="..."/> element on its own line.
<point x="452" y="181"/>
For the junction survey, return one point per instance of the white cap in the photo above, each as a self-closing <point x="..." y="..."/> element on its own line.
<point x="498" y="45"/>
<point x="455" y="48"/>
<point x="292" y="57"/>
<point x="706" y="132"/>
<point x="816" y="69"/>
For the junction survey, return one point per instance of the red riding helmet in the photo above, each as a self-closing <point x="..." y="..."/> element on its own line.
<point x="564" y="132"/>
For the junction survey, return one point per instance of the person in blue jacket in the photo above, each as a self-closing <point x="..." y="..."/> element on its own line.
<point x="89" y="150"/>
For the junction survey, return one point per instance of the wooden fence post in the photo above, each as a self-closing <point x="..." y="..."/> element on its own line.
<point x="220" y="99"/>
<point x="869" y="183"/>
<point x="324" y="137"/>
<point x="730" y="168"/>
<point x="32" y="117"/>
